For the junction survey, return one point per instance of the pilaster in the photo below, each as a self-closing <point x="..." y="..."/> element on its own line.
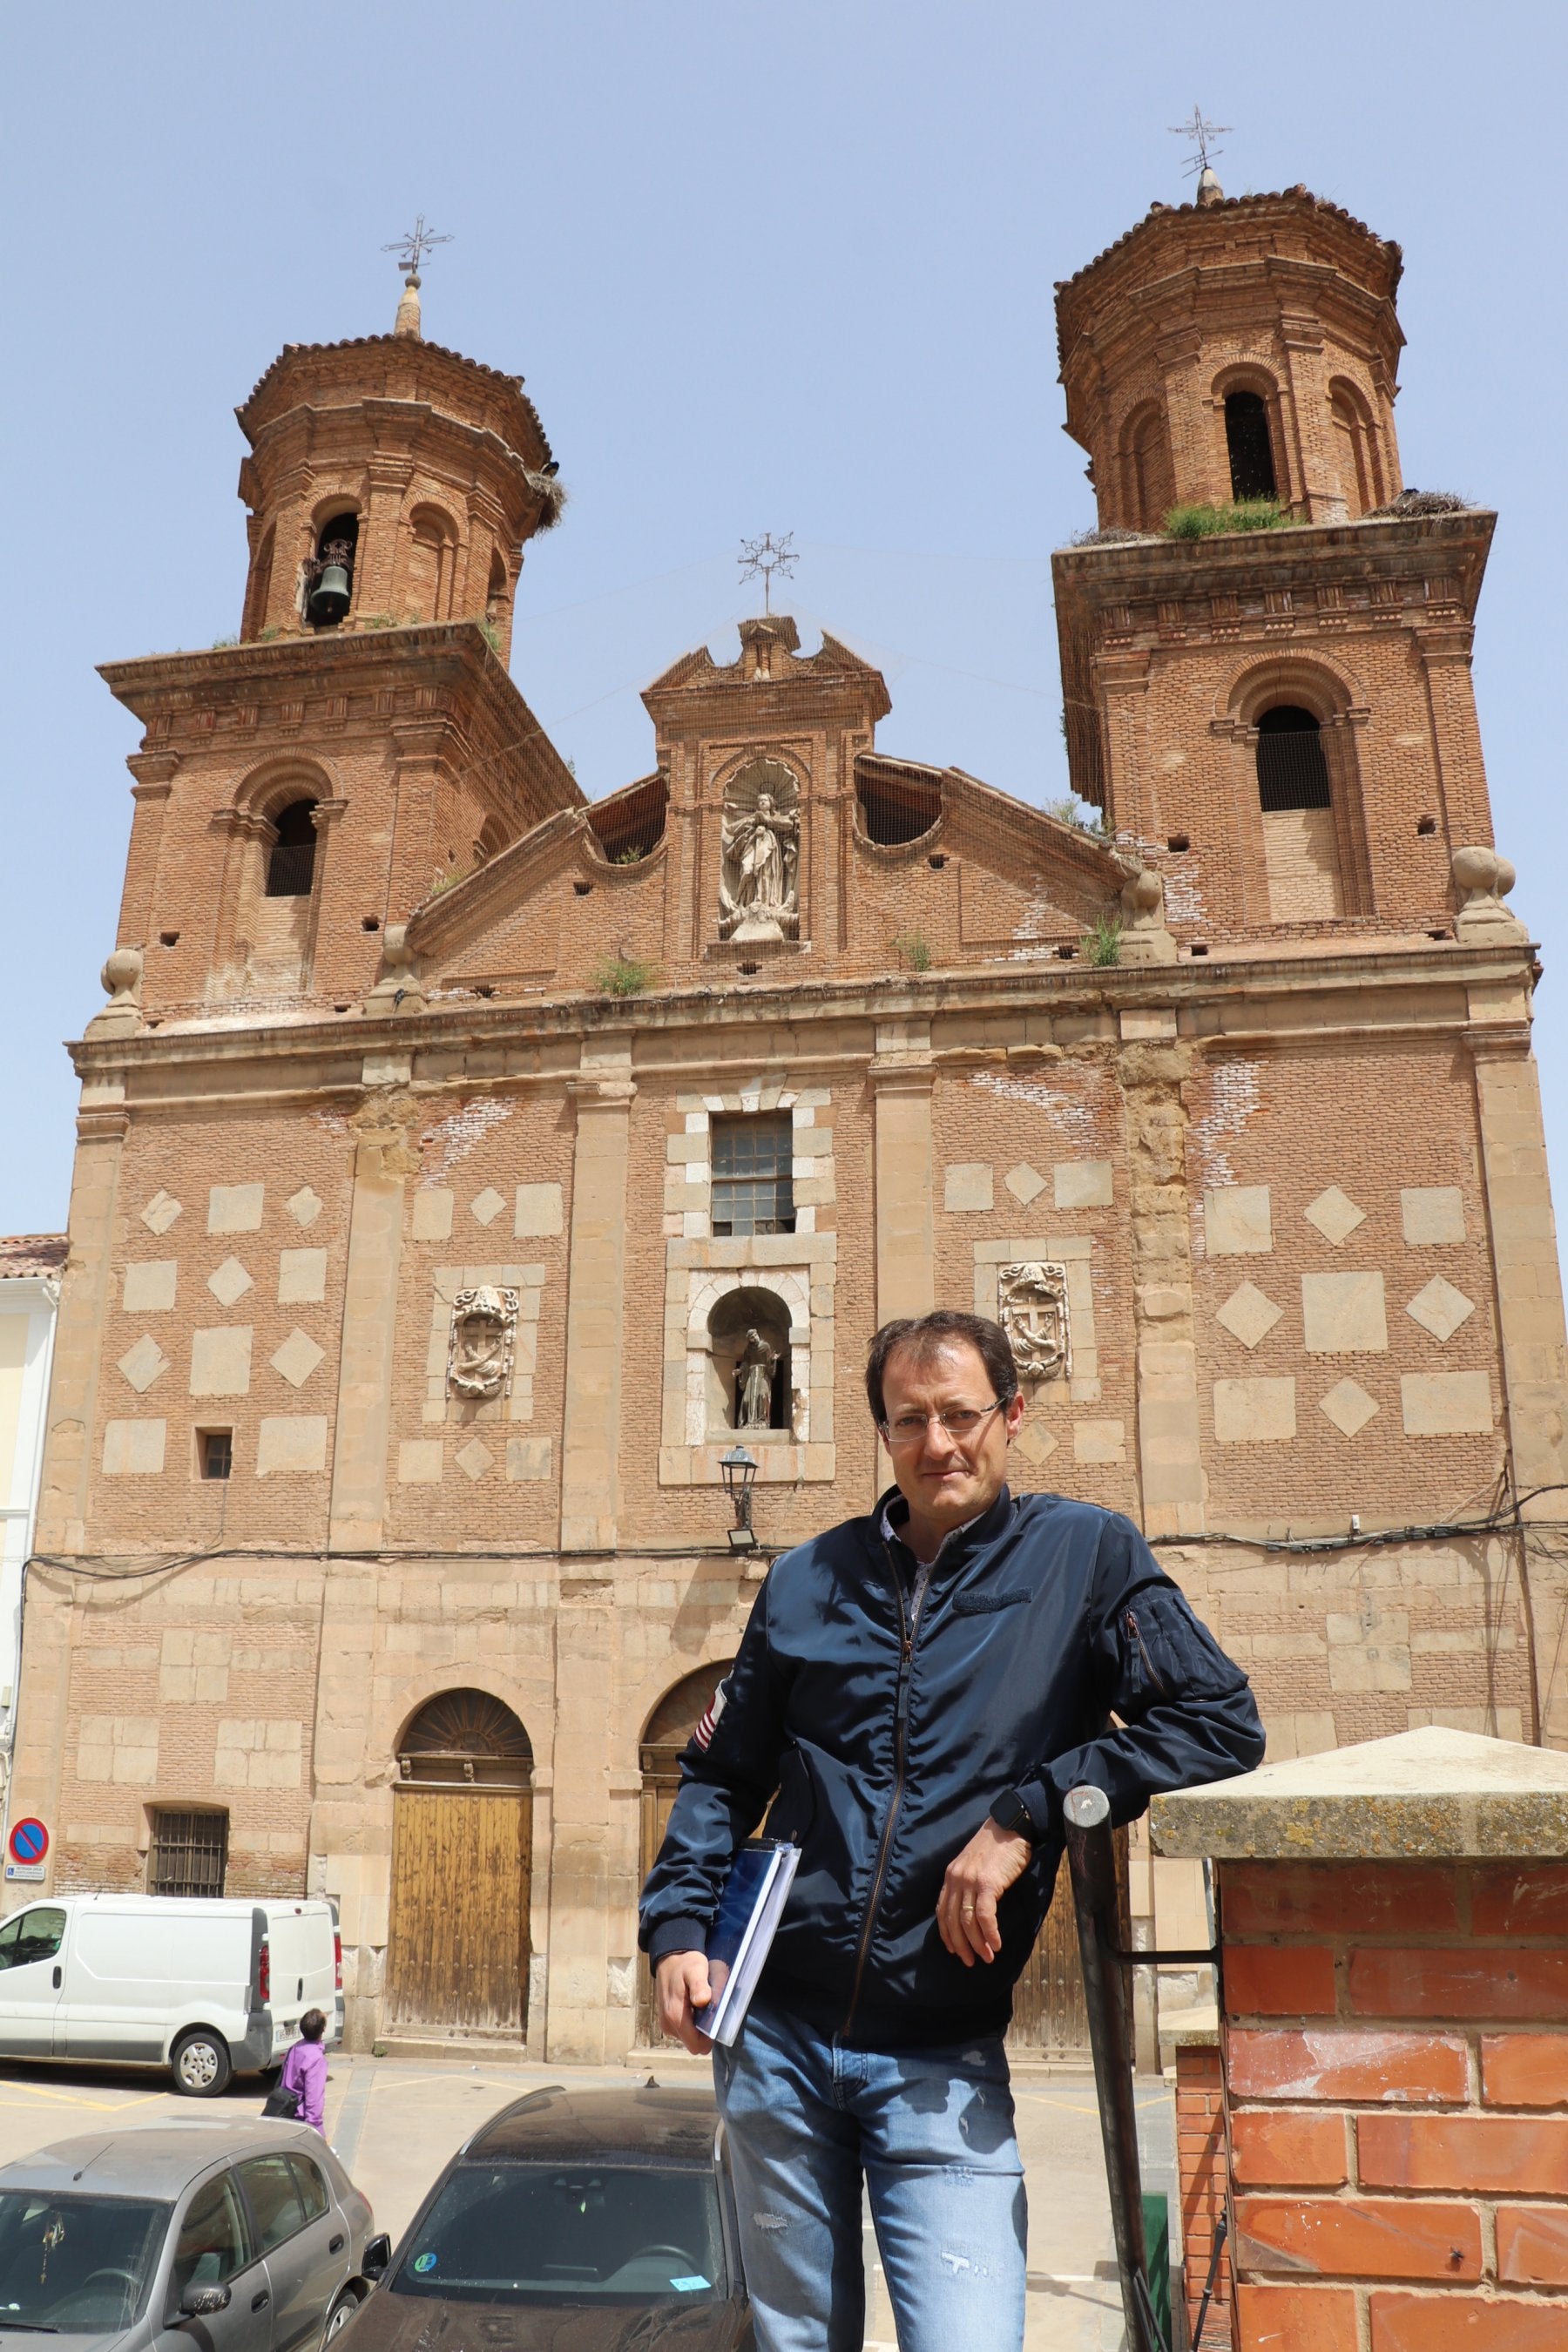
<point x="581" y="1911"/>
<point x="1170" y="1445"/>
<point x="382" y="1162"/>
<point x="595" y="1296"/>
<point x="901" y="1078"/>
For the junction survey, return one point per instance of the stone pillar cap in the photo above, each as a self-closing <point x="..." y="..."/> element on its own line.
<point x="1431" y="1793"/>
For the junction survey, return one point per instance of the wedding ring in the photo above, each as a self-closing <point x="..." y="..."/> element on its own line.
<point x="967" y="1909"/>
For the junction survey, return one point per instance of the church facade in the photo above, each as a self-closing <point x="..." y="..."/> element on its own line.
<point x="466" y="1170"/>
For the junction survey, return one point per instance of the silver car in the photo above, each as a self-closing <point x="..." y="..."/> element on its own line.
<point x="210" y="2237"/>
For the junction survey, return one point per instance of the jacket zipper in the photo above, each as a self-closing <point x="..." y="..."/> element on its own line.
<point x="900" y="1726"/>
<point x="1149" y="1665"/>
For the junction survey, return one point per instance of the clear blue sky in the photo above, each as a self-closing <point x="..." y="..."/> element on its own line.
<point x="781" y="267"/>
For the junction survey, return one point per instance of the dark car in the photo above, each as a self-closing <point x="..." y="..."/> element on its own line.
<point x="572" y="2222"/>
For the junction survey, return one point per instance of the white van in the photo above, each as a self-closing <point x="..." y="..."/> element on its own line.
<point x="206" y="1987"/>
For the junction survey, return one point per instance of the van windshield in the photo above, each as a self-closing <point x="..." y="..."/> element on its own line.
<point x="568" y="2233"/>
<point x="76" y="2265"/>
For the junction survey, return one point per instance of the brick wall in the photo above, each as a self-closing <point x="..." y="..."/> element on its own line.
<point x="1201" y="2178"/>
<point x="1396" y="2066"/>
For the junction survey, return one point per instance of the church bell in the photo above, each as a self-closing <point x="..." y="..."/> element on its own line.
<point x="329" y="599"/>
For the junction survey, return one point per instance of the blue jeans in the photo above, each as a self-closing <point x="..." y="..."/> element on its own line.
<point x="930" y="2131"/>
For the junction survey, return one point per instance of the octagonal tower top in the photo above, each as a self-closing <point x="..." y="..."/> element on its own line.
<point x="1235" y="348"/>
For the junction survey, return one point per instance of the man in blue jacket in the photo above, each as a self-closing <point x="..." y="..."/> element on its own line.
<point x="921" y="1688"/>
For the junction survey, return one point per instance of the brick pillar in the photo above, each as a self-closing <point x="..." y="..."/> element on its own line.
<point x="1393" y="1925"/>
<point x="1201" y="2187"/>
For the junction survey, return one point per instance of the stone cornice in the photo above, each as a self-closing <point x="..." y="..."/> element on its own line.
<point x="1221" y="1004"/>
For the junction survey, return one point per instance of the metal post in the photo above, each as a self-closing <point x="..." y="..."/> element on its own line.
<point x="1091" y="1857"/>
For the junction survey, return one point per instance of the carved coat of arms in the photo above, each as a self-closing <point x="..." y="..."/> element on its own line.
<point x="1032" y="1307"/>
<point x="479" y="1351"/>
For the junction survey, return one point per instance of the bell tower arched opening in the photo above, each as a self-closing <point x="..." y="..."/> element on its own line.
<point x="330" y="581"/>
<point x="1250" y="446"/>
<point x="291" y="860"/>
<point x="1295" y="801"/>
<point x="462" y="1859"/>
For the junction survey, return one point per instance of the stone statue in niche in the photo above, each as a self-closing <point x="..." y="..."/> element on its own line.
<point x="479" y="1352"/>
<point x="754" y="1367"/>
<point x="759" y="893"/>
<point x="1032" y="1307"/>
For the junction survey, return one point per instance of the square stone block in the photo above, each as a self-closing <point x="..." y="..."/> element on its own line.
<point x="134" y="1448"/>
<point x="1237" y="1221"/>
<point x="1445" y="1404"/>
<point x="1249" y="1316"/>
<point x="1348" y="1406"/>
<point x="149" y="1288"/>
<point x="1343" y="1314"/>
<point x="291" y="1443"/>
<point x="1082" y="1183"/>
<point x="1253" y="1412"/>
<point x="220" y="1360"/>
<point x="432" y="1216"/>
<point x="475" y="1458"/>
<point x="529" y="1458"/>
<point x="1035" y="1443"/>
<point x="1100" y="1441"/>
<point x="301" y="1276"/>
<point x="1336" y="1216"/>
<point x="234" y="1208"/>
<point x="297" y="1359"/>
<point x="229" y="1282"/>
<point x="1024" y="1182"/>
<point x="1440" y="1309"/>
<point x="159" y="1213"/>
<point x="304" y="1206"/>
<point x="487" y="1206"/>
<point x="1432" y="1213"/>
<point x="538" y="1211"/>
<point x="967" y="1187"/>
<point x="142" y="1363"/>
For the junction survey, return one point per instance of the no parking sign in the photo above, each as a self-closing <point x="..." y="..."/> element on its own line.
<point x="28" y="1843"/>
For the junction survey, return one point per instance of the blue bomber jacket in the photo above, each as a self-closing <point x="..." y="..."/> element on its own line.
<point x="887" y="1742"/>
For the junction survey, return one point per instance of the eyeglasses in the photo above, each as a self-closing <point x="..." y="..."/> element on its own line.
<point x="960" y="1420"/>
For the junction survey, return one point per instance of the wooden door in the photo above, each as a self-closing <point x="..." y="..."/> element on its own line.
<point x="1051" y="2018"/>
<point x="458" y="1947"/>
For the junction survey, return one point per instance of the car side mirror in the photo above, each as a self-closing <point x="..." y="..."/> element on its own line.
<point x="202" y="2301"/>
<point x="376" y="2259"/>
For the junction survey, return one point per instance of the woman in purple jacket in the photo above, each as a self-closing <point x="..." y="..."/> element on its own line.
<point x="305" y="2070"/>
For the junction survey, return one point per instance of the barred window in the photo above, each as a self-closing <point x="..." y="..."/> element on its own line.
<point x="189" y="1854"/>
<point x="752" y="1188"/>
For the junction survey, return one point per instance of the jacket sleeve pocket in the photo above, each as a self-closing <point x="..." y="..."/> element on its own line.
<point x="1165" y="1654"/>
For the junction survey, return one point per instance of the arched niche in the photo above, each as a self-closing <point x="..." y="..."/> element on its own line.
<point x="666" y="1733"/>
<point x="744" y="1326"/>
<point x="1147" y="474"/>
<point x="1355" y="444"/>
<point x="429" y="565"/>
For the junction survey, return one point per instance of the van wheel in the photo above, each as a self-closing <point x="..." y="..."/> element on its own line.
<point x="201" y="2064"/>
<point x="338" y="2318"/>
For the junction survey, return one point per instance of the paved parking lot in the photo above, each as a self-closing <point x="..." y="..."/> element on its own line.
<point x="396" y="2123"/>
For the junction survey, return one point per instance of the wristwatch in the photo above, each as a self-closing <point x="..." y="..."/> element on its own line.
<point x="1011" y="1813"/>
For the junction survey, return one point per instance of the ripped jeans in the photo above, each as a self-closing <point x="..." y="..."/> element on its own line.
<point x="931" y="2131"/>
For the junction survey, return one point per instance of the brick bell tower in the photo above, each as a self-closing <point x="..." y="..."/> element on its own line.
<point x="1281" y="719"/>
<point x="301" y="789"/>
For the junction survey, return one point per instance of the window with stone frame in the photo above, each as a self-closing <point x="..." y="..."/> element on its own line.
<point x="188" y="1853"/>
<point x="753" y="1186"/>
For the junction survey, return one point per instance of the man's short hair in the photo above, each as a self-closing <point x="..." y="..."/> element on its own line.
<point x="946" y="1326"/>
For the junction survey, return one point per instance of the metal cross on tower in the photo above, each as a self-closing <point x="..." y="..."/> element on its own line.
<point x="411" y="249"/>
<point x="760" y="558"/>
<point x="1200" y="130"/>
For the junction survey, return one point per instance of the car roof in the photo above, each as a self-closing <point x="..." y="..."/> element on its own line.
<point x="155" y="2161"/>
<point x="641" y="2125"/>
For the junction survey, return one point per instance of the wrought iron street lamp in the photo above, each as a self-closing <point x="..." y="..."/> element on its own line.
<point x="738" y="1469"/>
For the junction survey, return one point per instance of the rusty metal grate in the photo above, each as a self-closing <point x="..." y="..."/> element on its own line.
<point x="189" y="1854"/>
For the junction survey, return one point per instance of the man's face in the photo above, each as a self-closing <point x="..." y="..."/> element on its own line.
<point x="944" y="1477"/>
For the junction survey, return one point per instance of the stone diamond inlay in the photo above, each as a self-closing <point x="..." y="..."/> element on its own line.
<point x="1348" y="1406"/>
<point x="305" y="1207"/>
<point x="489" y="1206"/>
<point x="1024" y="1182"/>
<point x="1249" y="1316"/>
<point x="1035" y="1444"/>
<point x="1440" y="1309"/>
<point x="230" y="1282"/>
<point x="142" y="1363"/>
<point x="297" y="1359"/>
<point x="161" y="1212"/>
<point x="1335" y="1215"/>
<point x="475" y="1459"/>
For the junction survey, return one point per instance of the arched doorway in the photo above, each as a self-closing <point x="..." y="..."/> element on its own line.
<point x="462" y="1852"/>
<point x="666" y="1733"/>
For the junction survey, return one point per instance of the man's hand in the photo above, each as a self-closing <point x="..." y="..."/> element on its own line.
<point x="682" y="1980"/>
<point x="966" y="1907"/>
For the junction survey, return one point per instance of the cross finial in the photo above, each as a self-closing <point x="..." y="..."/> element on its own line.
<point x="760" y="558"/>
<point x="1200" y="131"/>
<point x="411" y="249"/>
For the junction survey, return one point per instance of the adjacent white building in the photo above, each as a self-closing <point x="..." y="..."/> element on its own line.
<point x="30" y="1266"/>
